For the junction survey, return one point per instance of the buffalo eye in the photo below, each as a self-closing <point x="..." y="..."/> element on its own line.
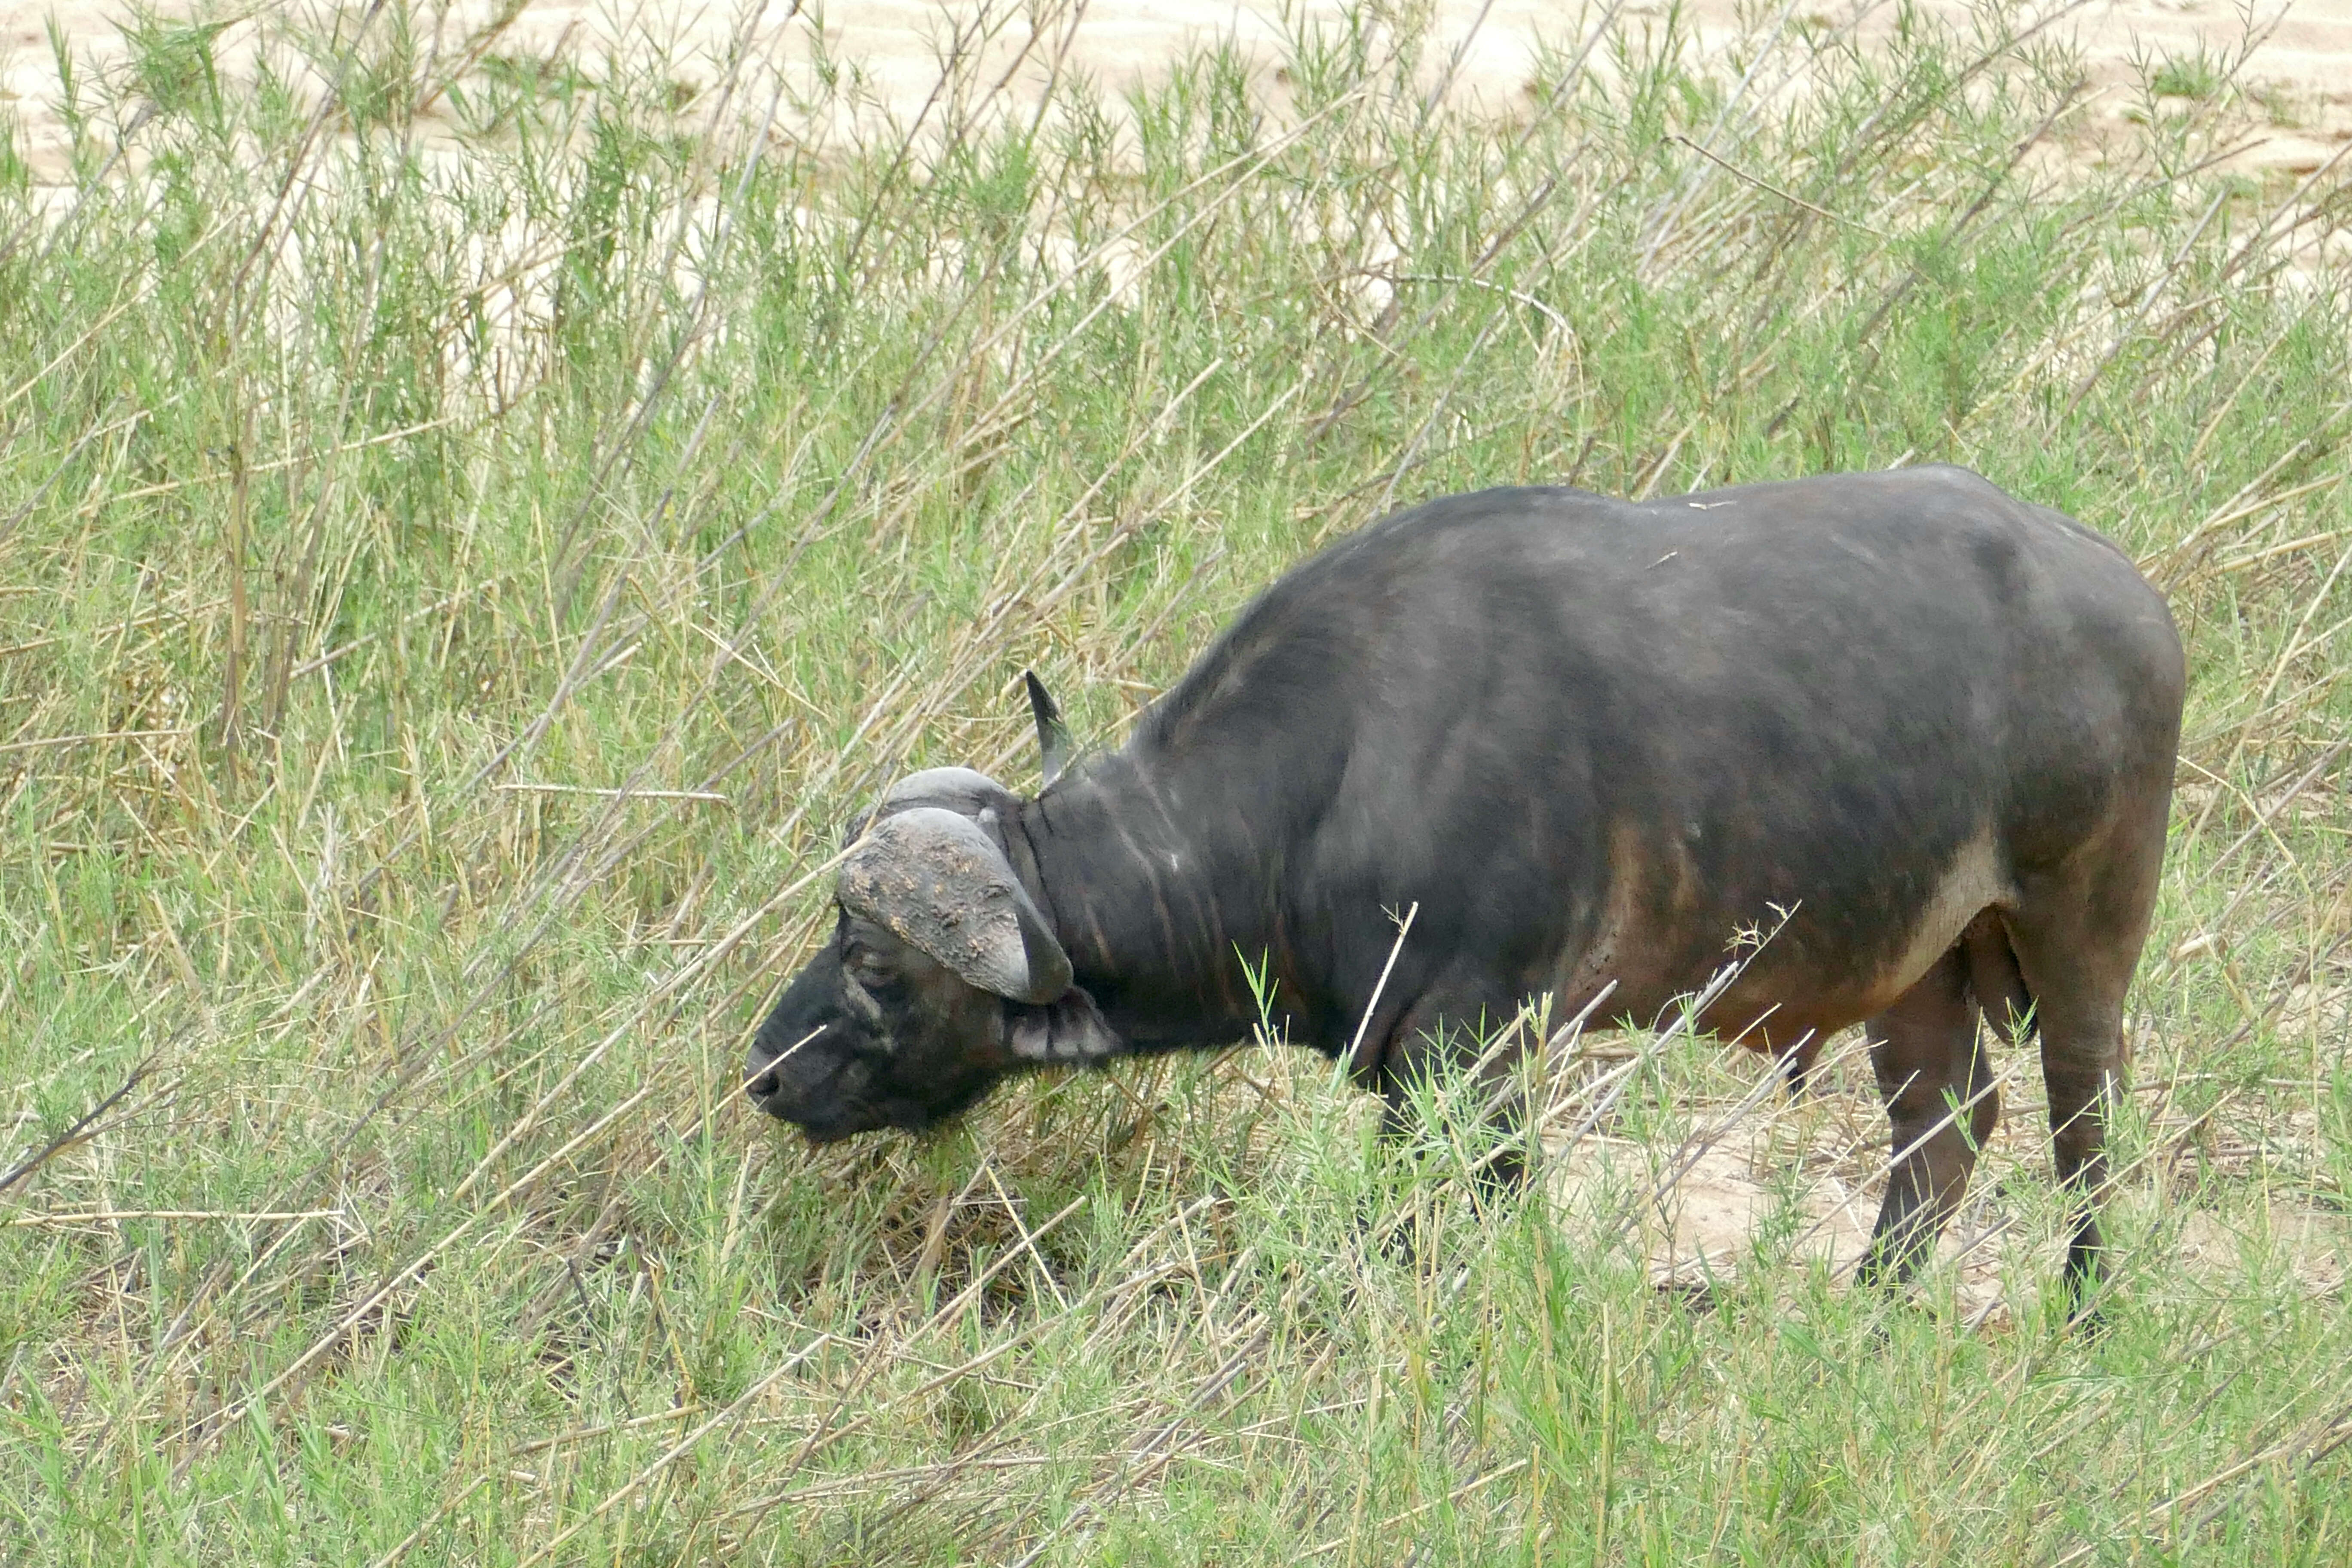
<point x="864" y="964"/>
<point x="862" y="1003"/>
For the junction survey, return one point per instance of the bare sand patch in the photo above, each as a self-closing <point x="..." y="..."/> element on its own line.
<point x="888" y="54"/>
<point x="1785" y="1182"/>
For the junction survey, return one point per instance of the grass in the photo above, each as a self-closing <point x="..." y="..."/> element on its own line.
<point x="2195" y="75"/>
<point x="466" y="538"/>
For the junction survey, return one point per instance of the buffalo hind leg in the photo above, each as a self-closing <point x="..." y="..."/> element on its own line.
<point x="2077" y="949"/>
<point x="1928" y="1055"/>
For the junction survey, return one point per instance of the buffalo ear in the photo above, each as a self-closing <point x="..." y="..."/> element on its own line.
<point x="943" y="887"/>
<point x="1052" y="735"/>
<point x="1069" y="1030"/>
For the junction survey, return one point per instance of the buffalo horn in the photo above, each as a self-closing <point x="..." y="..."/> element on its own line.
<point x="960" y="790"/>
<point x="942" y="885"/>
<point x="1053" y="738"/>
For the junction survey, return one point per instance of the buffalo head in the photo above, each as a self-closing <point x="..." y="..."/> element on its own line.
<point x="942" y="977"/>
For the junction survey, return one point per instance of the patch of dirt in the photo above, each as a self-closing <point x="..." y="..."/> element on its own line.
<point x="2298" y="70"/>
<point x="1808" y="1174"/>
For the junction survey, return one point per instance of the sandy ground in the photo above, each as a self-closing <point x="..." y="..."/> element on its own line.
<point x="2301" y="67"/>
<point x="1814" y="1173"/>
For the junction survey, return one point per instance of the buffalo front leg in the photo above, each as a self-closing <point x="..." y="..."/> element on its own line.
<point x="1467" y="1026"/>
<point x="1927" y="1054"/>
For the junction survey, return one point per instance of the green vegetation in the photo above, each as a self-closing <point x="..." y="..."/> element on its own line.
<point x="2196" y="74"/>
<point x="383" y="489"/>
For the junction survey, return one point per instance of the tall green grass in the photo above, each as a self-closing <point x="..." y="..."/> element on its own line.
<point x="466" y="542"/>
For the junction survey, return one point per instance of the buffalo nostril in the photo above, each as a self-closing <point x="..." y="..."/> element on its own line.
<point x="762" y="1086"/>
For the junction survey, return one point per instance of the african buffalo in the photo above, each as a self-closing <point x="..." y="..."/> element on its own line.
<point x="1592" y="740"/>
